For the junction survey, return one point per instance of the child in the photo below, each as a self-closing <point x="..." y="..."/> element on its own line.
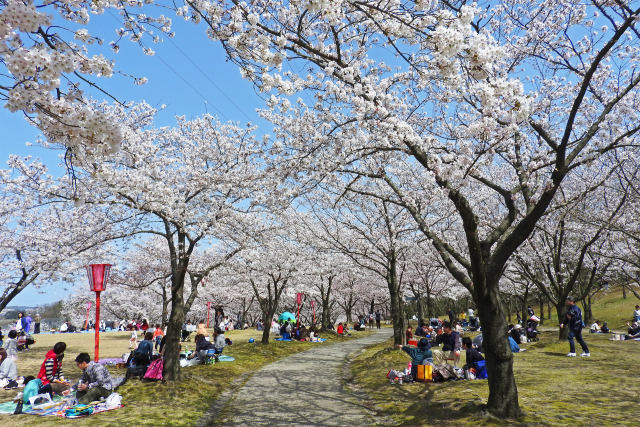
<point x="158" y="333"/>
<point x="133" y="341"/>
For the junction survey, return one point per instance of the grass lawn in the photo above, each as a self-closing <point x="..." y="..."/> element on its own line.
<point x="148" y="403"/>
<point x="553" y="389"/>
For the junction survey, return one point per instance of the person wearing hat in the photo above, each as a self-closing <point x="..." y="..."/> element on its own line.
<point x="418" y="355"/>
<point x="573" y="319"/>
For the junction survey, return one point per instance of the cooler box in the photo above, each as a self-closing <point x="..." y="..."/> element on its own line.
<point x="413" y="342"/>
<point x="425" y="373"/>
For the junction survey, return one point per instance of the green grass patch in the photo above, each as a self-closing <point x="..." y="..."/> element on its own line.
<point x="553" y="389"/>
<point x="179" y="403"/>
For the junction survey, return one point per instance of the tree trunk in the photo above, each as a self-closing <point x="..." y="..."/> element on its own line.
<point x="396" y="302"/>
<point x="267" y="317"/>
<point x="503" y="392"/>
<point x="588" y="315"/>
<point x="165" y="307"/>
<point x="541" y="310"/>
<point x="171" y="371"/>
<point x="561" y="310"/>
<point x="419" y="308"/>
<point x="624" y="292"/>
<point x="429" y="306"/>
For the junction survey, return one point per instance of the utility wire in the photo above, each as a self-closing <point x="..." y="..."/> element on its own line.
<point x="206" y="76"/>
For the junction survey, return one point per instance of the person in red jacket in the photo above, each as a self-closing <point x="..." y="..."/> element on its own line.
<point x="51" y="373"/>
<point x="340" y="329"/>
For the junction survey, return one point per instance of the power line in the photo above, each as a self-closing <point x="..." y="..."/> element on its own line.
<point x="206" y="76"/>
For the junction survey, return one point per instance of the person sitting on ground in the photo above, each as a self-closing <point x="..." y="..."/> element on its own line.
<point x="285" y="330"/>
<point x="451" y="346"/>
<point x="51" y="373"/>
<point x="158" y="333"/>
<point x="633" y="332"/>
<point x="515" y="348"/>
<point x="218" y="341"/>
<point x="340" y="329"/>
<point x="408" y="334"/>
<point x="473" y="355"/>
<point x="304" y="334"/>
<point x="516" y="333"/>
<point x="95" y="382"/>
<point x="595" y="328"/>
<point x="636" y="313"/>
<point x="8" y="369"/>
<point x="144" y="352"/>
<point x="605" y="328"/>
<point x="419" y="356"/>
<point x="11" y="345"/>
<point x="202" y="329"/>
<point x="202" y="347"/>
<point x="313" y="334"/>
<point x="64" y="327"/>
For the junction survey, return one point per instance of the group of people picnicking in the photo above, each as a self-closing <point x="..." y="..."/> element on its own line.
<point x="95" y="381"/>
<point x="290" y="330"/>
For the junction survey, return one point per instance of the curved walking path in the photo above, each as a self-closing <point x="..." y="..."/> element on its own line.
<point x="305" y="388"/>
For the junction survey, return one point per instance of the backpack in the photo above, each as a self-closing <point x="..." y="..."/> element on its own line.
<point x="154" y="372"/>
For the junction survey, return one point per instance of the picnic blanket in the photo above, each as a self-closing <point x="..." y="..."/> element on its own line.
<point x="57" y="409"/>
<point x="61" y="409"/>
<point x="282" y="339"/>
<point x="319" y="340"/>
<point x="111" y="361"/>
<point x="195" y="361"/>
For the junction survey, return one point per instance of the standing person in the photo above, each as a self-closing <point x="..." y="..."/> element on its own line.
<point x="36" y="326"/>
<point x="157" y="336"/>
<point x="573" y="319"/>
<point x="21" y="323"/>
<point x="51" y="373"/>
<point x="378" y="318"/>
<point x="133" y="341"/>
<point x="452" y="316"/>
<point x="371" y="317"/>
<point x="95" y="381"/>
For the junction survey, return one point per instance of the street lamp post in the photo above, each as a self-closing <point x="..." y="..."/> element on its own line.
<point x="98" y="274"/>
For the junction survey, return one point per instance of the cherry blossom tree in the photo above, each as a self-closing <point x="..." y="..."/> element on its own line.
<point x="192" y="185"/>
<point x="42" y="243"/>
<point x="471" y="112"/>
<point x="52" y="60"/>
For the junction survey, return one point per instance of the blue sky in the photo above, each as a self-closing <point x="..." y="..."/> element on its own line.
<point x="189" y="75"/>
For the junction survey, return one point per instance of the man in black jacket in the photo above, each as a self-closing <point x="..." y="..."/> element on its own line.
<point x="573" y="319"/>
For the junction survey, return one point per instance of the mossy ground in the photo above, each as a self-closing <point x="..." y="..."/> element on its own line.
<point x="146" y="403"/>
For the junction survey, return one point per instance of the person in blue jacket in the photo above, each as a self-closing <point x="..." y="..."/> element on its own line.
<point x="573" y="319"/>
<point x="418" y="355"/>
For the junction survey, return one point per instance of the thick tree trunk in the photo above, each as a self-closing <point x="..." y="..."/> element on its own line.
<point x="588" y="315"/>
<point x="503" y="392"/>
<point x="171" y="370"/>
<point x="267" y="316"/>
<point x="541" y="310"/>
<point x="396" y="301"/>
<point x="563" y="333"/>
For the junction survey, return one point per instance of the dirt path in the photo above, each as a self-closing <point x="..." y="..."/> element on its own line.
<point x="305" y="388"/>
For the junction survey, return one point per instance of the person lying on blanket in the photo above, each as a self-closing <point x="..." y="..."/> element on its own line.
<point x="95" y="381"/>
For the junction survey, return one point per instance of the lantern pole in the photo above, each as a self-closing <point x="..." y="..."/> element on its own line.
<point x="97" y="327"/>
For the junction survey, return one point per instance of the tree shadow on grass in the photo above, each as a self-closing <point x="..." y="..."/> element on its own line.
<point x="438" y="411"/>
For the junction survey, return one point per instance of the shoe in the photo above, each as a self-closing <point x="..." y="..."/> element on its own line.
<point x="586" y="355"/>
<point x="571" y="355"/>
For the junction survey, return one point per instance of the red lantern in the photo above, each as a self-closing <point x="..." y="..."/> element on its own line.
<point x="98" y="275"/>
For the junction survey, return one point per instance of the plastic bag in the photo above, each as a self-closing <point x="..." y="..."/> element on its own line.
<point x="114" y="400"/>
